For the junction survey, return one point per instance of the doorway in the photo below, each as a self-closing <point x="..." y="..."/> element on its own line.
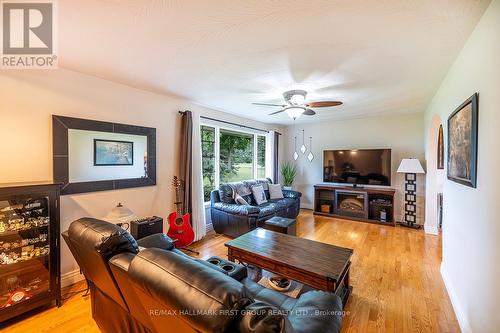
<point x="435" y="177"/>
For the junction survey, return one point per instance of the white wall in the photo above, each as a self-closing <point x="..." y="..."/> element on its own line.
<point x="402" y="133"/>
<point x="29" y="98"/>
<point x="471" y="227"/>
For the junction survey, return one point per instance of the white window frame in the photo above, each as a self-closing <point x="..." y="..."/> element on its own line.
<point x="254" y="133"/>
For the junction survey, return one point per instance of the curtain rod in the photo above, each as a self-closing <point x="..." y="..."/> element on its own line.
<point x="235" y="124"/>
<point x="231" y="123"/>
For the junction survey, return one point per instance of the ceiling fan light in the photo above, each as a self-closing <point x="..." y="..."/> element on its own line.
<point x="297" y="99"/>
<point x="294" y="112"/>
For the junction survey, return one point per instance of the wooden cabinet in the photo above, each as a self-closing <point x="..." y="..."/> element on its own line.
<point x="29" y="248"/>
<point x="366" y="204"/>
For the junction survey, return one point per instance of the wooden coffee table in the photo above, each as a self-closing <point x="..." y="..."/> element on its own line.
<point x="319" y="265"/>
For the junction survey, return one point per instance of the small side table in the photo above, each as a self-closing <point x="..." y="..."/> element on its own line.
<point x="282" y="225"/>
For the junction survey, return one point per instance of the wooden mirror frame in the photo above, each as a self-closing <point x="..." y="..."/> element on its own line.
<point x="60" y="127"/>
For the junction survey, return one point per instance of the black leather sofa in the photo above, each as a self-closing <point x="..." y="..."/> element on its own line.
<point x="148" y="286"/>
<point x="233" y="220"/>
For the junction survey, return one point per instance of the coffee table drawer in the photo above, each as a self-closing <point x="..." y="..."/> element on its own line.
<point x="253" y="260"/>
<point x="302" y="277"/>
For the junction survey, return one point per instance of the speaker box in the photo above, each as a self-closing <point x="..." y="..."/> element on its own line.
<point x="145" y="227"/>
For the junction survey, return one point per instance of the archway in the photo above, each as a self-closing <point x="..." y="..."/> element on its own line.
<point x="435" y="176"/>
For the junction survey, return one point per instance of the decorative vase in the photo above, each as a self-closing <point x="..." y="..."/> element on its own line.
<point x="288" y="188"/>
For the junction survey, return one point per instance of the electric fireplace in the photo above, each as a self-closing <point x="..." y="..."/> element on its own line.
<point x="351" y="203"/>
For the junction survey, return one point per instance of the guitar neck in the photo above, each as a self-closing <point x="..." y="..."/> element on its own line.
<point x="178" y="203"/>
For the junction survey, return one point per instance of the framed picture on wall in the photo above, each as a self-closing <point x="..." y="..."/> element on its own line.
<point x="440" y="152"/>
<point x="112" y="152"/>
<point x="462" y="143"/>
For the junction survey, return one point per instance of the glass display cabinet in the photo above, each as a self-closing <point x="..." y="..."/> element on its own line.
<point x="29" y="248"/>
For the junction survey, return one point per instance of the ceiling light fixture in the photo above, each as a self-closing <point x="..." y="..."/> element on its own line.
<point x="295" y="104"/>
<point x="294" y="112"/>
<point x="297" y="99"/>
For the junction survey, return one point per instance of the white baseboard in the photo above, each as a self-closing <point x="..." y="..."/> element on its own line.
<point x="462" y="319"/>
<point x="433" y="230"/>
<point x="306" y="206"/>
<point x="69" y="278"/>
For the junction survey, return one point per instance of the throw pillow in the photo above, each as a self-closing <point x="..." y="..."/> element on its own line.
<point x="258" y="194"/>
<point x="239" y="199"/>
<point x="275" y="191"/>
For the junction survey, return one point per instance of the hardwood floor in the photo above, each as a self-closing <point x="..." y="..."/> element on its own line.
<point x="394" y="272"/>
<point x="73" y="316"/>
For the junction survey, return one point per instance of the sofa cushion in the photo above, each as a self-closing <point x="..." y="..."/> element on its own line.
<point x="259" y="195"/>
<point x="240" y="200"/>
<point x="250" y="183"/>
<point x="282" y="204"/>
<point x="267" y="209"/>
<point x="93" y="242"/>
<point x="179" y="283"/>
<point x="227" y="192"/>
<point x="264" y="182"/>
<point x="106" y="238"/>
<point x="275" y="191"/>
<point x="241" y="188"/>
<point x="322" y="309"/>
<point x="274" y="206"/>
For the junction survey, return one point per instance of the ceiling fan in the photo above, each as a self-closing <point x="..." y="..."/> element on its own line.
<point x="296" y="105"/>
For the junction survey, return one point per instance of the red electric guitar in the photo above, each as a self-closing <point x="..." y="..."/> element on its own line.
<point x="180" y="229"/>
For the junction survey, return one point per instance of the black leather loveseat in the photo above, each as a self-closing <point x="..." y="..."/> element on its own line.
<point x="233" y="220"/>
<point x="159" y="289"/>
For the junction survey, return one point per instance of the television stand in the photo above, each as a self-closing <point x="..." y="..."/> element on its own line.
<point x="364" y="204"/>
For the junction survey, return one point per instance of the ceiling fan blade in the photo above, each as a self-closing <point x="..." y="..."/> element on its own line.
<point x="277" y="112"/>
<point x="268" y="104"/>
<point x="323" y="104"/>
<point x="309" y="112"/>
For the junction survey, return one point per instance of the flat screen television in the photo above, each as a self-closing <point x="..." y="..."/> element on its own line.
<point x="357" y="166"/>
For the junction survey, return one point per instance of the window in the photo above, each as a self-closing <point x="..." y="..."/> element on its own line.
<point x="230" y="156"/>
<point x="236" y="156"/>
<point x="208" y="159"/>
<point x="261" y="156"/>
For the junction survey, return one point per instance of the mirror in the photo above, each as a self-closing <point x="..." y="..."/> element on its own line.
<point x="106" y="156"/>
<point x="96" y="156"/>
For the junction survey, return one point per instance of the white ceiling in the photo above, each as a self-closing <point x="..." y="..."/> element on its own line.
<point x="377" y="56"/>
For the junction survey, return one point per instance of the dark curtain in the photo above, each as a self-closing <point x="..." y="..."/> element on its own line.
<point x="276" y="157"/>
<point x="186" y="161"/>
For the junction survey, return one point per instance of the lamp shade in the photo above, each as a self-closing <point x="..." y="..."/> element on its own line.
<point x="410" y="165"/>
<point x="120" y="214"/>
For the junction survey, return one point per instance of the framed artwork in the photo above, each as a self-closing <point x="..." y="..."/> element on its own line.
<point x="440" y="152"/>
<point x="112" y="152"/>
<point x="462" y="143"/>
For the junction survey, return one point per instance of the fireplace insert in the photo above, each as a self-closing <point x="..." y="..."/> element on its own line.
<point x="351" y="203"/>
